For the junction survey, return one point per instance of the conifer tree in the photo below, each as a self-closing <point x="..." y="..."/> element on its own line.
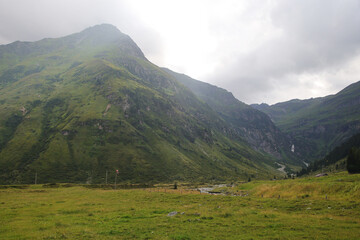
<point x="353" y="161"/>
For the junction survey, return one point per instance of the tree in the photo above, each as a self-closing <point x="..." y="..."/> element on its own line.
<point x="353" y="161"/>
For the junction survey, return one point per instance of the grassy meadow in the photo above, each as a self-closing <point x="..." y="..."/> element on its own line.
<point x="306" y="208"/>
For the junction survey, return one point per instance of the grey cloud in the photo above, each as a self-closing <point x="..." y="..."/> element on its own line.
<point x="324" y="33"/>
<point x="316" y="36"/>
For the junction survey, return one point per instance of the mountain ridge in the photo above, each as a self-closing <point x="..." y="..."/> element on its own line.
<point x="71" y="110"/>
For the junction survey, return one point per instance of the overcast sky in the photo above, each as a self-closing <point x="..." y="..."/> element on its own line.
<point x="261" y="51"/>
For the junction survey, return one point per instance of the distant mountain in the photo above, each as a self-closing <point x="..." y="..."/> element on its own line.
<point x="75" y="107"/>
<point x="318" y="125"/>
<point x="279" y="111"/>
<point x="255" y="126"/>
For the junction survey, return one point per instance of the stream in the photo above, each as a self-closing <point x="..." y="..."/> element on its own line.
<point x="209" y="189"/>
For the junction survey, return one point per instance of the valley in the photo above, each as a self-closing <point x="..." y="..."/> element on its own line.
<point x="179" y="120"/>
<point x="75" y="107"/>
<point x="97" y="142"/>
<point x="317" y="126"/>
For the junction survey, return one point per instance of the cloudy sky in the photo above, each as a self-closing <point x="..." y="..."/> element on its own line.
<point x="260" y="50"/>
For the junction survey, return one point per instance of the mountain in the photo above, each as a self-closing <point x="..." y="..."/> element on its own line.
<point x="318" y="125"/>
<point x="335" y="158"/>
<point x="255" y="126"/>
<point x="72" y="108"/>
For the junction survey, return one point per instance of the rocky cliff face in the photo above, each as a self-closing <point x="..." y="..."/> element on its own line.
<point x="255" y="126"/>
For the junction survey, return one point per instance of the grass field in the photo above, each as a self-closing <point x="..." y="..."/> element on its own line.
<point x="308" y="208"/>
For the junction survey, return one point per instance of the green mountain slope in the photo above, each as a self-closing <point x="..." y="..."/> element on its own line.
<point x="318" y="125"/>
<point x="75" y="107"/>
<point x="335" y="158"/>
<point x="255" y="126"/>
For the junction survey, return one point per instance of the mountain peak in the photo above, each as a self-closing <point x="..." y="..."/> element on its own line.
<point x="105" y="34"/>
<point x="104" y="28"/>
<point x="101" y="34"/>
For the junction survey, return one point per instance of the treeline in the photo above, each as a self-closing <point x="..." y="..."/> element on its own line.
<point x="353" y="161"/>
<point x="349" y="149"/>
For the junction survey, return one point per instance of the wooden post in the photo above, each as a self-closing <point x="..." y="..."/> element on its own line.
<point x="106" y="177"/>
<point x="115" y="180"/>
<point x="35" y="178"/>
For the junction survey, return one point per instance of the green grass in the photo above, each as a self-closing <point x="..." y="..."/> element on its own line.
<point x="81" y="213"/>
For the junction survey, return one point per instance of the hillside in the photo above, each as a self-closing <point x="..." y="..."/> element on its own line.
<point x="75" y="107"/>
<point x="255" y="126"/>
<point x="318" y="125"/>
<point x="335" y="160"/>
